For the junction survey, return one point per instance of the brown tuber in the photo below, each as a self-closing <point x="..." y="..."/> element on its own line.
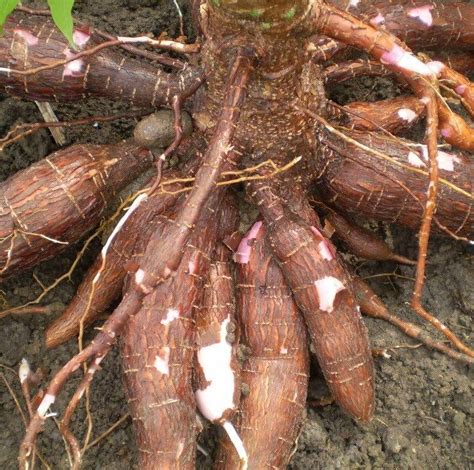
<point x="72" y="186"/>
<point x="276" y="370"/>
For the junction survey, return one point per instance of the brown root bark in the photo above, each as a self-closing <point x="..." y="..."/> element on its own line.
<point x="322" y="291"/>
<point x="155" y="267"/>
<point x="30" y="42"/>
<point x="394" y="189"/>
<point x="385" y="48"/>
<point x="158" y="346"/>
<point x="461" y="62"/>
<point x="96" y="351"/>
<point x="348" y="70"/>
<point x="276" y="370"/>
<point x="361" y="241"/>
<point x="157" y="352"/>
<point x="418" y="23"/>
<point x="393" y="115"/>
<point x="372" y="306"/>
<point x="103" y="282"/>
<point x="463" y="87"/>
<point x="54" y="202"/>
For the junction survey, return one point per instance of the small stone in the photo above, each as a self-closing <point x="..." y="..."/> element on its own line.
<point x="394" y="440"/>
<point x="157" y="129"/>
<point x="458" y="420"/>
<point x="375" y="450"/>
<point x="463" y="401"/>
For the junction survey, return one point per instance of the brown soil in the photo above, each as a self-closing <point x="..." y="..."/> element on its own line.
<point x="424" y="404"/>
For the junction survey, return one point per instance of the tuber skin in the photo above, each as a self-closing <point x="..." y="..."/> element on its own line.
<point x="275" y="371"/>
<point x="72" y="186"/>
<point x="158" y="351"/>
<point x="323" y="293"/>
<point x="418" y="23"/>
<point x="217" y="365"/>
<point x="362" y="242"/>
<point x="29" y="42"/>
<point x="217" y="378"/>
<point x="94" y="294"/>
<point x="379" y="192"/>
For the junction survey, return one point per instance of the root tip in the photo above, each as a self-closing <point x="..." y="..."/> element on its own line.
<point x="403" y="260"/>
<point x="237" y="443"/>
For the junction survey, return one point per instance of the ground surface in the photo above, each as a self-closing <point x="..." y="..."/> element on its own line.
<point x="424" y="405"/>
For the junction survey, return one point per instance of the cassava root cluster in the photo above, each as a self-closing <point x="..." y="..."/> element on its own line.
<point x="248" y="105"/>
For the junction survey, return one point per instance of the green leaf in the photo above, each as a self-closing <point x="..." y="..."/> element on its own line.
<point x="62" y="16"/>
<point x="6" y="7"/>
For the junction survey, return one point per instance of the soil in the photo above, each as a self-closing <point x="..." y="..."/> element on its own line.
<point x="424" y="407"/>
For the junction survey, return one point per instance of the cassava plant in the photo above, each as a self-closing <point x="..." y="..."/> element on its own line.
<point x="203" y="312"/>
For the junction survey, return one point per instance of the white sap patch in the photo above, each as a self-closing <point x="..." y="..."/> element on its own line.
<point x="238" y="444"/>
<point x="191" y="267"/>
<point x="24" y="370"/>
<point x="415" y="160"/>
<point x="27" y="36"/>
<point x="436" y="66"/>
<point x="179" y="450"/>
<point x="46" y="402"/>
<point x="121" y="222"/>
<point x="73" y="68"/>
<point x="445" y="160"/>
<point x="409" y="62"/>
<point x="422" y="13"/>
<point x="242" y="255"/>
<point x="377" y="20"/>
<point x="354" y="3"/>
<point x="139" y="276"/>
<point x="323" y="246"/>
<point x="316" y="231"/>
<point x="325" y="251"/>
<point x="327" y="288"/>
<point x="215" y="361"/>
<point x="80" y="38"/>
<point x="446" y="132"/>
<point x="162" y="361"/>
<point x="407" y="114"/>
<point x="283" y="350"/>
<point x="171" y="315"/>
<point x="405" y="60"/>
